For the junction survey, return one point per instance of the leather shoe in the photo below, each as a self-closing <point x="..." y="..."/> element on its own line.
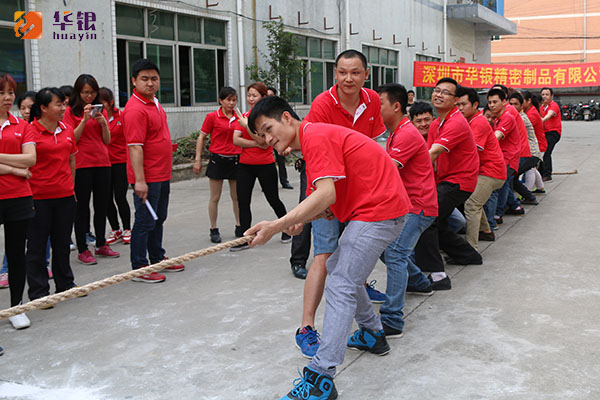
<point x="299" y="271"/>
<point x="287" y="185"/>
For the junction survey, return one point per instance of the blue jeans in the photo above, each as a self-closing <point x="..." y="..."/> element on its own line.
<point x="147" y="234"/>
<point x="456" y="221"/>
<point x="325" y="235"/>
<point x="402" y="270"/>
<point x="490" y="209"/>
<point x="506" y="197"/>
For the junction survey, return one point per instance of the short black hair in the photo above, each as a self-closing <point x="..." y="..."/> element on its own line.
<point x="516" y="95"/>
<point x="396" y="93"/>
<point x="272" y="89"/>
<point x="501" y="87"/>
<point x="141" y="65"/>
<point x="420" y="107"/>
<point x="497" y="92"/>
<point x="351" y="53"/>
<point x="547" y="88"/>
<point x="469" y="92"/>
<point x="410" y="91"/>
<point x="269" y="107"/>
<point x="447" y="80"/>
<point x="66" y="90"/>
<point x="226" y="91"/>
<point x="27" y="95"/>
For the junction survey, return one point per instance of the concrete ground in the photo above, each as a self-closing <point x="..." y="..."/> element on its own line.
<point x="524" y="325"/>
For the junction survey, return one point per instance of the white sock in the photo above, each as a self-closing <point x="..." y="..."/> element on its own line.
<point x="438" y="276"/>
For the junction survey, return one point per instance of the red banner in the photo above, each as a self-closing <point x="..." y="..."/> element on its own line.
<point x="519" y="76"/>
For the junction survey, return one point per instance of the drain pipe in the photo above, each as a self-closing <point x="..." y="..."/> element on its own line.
<point x="445" y="29"/>
<point x="241" y="58"/>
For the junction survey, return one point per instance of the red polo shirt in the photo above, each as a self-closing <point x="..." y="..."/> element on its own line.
<point x="525" y="150"/>
<point x="554" y="123"/>
<point x="14" y="134"/>
<point x="145" y="124"/>
<point x="367" y="184"/>
<point x="538" y="127"/>
<point x="459" y="163"/>
<point x="367" y="119"/>
<point x="117" y="149"/>
<point x="220" y="128"/>
<point x="51" y="176"/>
<point x="511" y="143"/>
<point x="92" y="150"/>
<point x="491" y="160"/>
<point x="253" y="155"/>
<point x="407" y="146"/>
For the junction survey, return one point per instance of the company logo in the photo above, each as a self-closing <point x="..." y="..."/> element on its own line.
<point x="28" y="25"/>
<point x="65" y="20"/>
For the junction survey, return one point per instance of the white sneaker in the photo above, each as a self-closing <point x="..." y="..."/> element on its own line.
<point x="20" y="321"/>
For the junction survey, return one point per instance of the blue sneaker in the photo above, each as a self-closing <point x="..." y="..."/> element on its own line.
<point x="307" y="340"/>
<point x="312" y="386"/>
<point x="366" y="339"/>
<point x="90" y="239"/>
<point x="375" y="295"/>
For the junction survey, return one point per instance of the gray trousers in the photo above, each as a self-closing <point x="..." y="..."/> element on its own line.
<point x="348" y="267"/>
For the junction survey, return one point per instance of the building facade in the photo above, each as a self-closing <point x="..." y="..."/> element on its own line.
<point x="202" y="45"/>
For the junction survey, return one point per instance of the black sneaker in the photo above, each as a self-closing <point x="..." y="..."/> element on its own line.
<point x="487" y="236"/>
<point x="392" y="333"/>
<point x="428" y="291"/>
<point x="539" y="191"/>
<point x="287" y="185"/>
<point x="499" y="220"/>
<point x="532" y="202"/>
<point x="240" y="247"/>
<point x="312" y="386"/>
<point x="515" y="211"/>
<point x="546" y="178"/>
<point x="285" y="238"/>
<point x="239" y="232"/>
<point x="475" y="261"/>
<point x="367" y="340"/>
<point x="443" y="284"/>
<point x="215" y="236"/>
<point x="299" y="271"/>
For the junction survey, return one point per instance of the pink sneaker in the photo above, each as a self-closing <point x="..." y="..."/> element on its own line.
<point x="174" y="268"/>
<point x="153" y="277"/>
<point x="106" y="251"/>
<point x="86" y="258"/>
<point x="4" y="280"/>
<point x="126" y="236"/>
<point x="114" y="237"/>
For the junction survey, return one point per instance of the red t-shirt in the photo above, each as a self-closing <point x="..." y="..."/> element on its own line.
<point x="92" y="150"/>
<point x="253" y="155"/>
<point x="554" y="123"/>
<point x="145" y="124"/>
<point x="51" y="177"/>
<point x="525" y="149"/>
<point x="491" y="160"/>
<point x="511" y="143"/>
<point x="459" y="163"/>
<point x="407" y="146"/>
<point x="367" y="184"/>
<point x="220" y="128"/>
<point x="538" y="127"/>
<point x="14" y="134"/>
<point x="367" y="119"/>
<point x="117" y="149"/>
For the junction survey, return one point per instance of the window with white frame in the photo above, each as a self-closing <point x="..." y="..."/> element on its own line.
<point x="318" y="56"/>
<point x="190" y="52"/>
<point x="383" y="64"/>
<point x="12" y="49"/>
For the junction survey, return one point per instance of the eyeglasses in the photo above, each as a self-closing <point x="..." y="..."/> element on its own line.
<point x="86" y="93"/>
<point x="444" y="92"/>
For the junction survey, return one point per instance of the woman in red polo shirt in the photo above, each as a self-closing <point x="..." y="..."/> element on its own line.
<point x="52" y="186"/>
<point x="224" y="158"/>
<point x="93" y="166"/>
<point x="531" y="105"/>
<point x="256" y="162"/>
<point x="117" y="151"/>
<point x="17" y="155"/>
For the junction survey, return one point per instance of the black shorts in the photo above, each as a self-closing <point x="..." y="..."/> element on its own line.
<point x="17" y="209"/>
<point x="222" y="167"/>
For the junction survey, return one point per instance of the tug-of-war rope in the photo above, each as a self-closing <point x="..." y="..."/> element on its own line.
<point x="48" y="301"/>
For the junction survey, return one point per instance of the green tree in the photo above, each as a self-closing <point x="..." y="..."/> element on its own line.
<point x="284" y="67"/>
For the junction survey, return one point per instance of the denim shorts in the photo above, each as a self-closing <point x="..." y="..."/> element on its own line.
<point x="325" y="235"/>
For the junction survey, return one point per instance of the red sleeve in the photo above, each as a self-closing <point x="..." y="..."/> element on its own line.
<point x="452" y="135"/>
<point x="481" y="132"/>
<point x="28" y="134"/>
<point x="323" y="158"/>
<point x="554" y="107"/>
<point x="378" y="126"/>
<point x="74" y="148"/>
<point x="237" y="127"/>
<point x="135" y="127"/>
<point x="68" y="118"/>
<point x="403" y="147"/>
<point x="506" y="125"/>
<point x="209" y="123"/>
<point x="317" y="113"/>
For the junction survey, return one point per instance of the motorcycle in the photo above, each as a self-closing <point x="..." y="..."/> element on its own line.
<point x="586" y="111"/>
<point x="595" y="109"/>
<point x="566" y="112"/>
<point x="578" y="112"/>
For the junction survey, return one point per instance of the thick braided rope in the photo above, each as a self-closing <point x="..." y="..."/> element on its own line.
<point x="51" y="300"/>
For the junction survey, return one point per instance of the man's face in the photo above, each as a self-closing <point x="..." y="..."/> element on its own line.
<point x="422" y="123"/>
<point x="496" y="105"/>
<point x="490" y="117"/>
<point x="350" y="74"/>
<point x="465" y="106"/>
<point x="411" y="97"/>
<point x="279" y="134"/>
<point x="147" y="82"/>
<point x="546" y="96"/>
<point x="443" y="97"/>
<point x="387" y="110"/>
<point x="516" y="104"/>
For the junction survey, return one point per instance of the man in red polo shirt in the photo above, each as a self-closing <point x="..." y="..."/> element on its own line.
<point x="371" y="200"/>
<point x="148" y="168"/>
<point x="492" y="171"/>
<point x="350" y="105"/>
<point x="453" y="151"/>
<point x="552" y="127"/>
